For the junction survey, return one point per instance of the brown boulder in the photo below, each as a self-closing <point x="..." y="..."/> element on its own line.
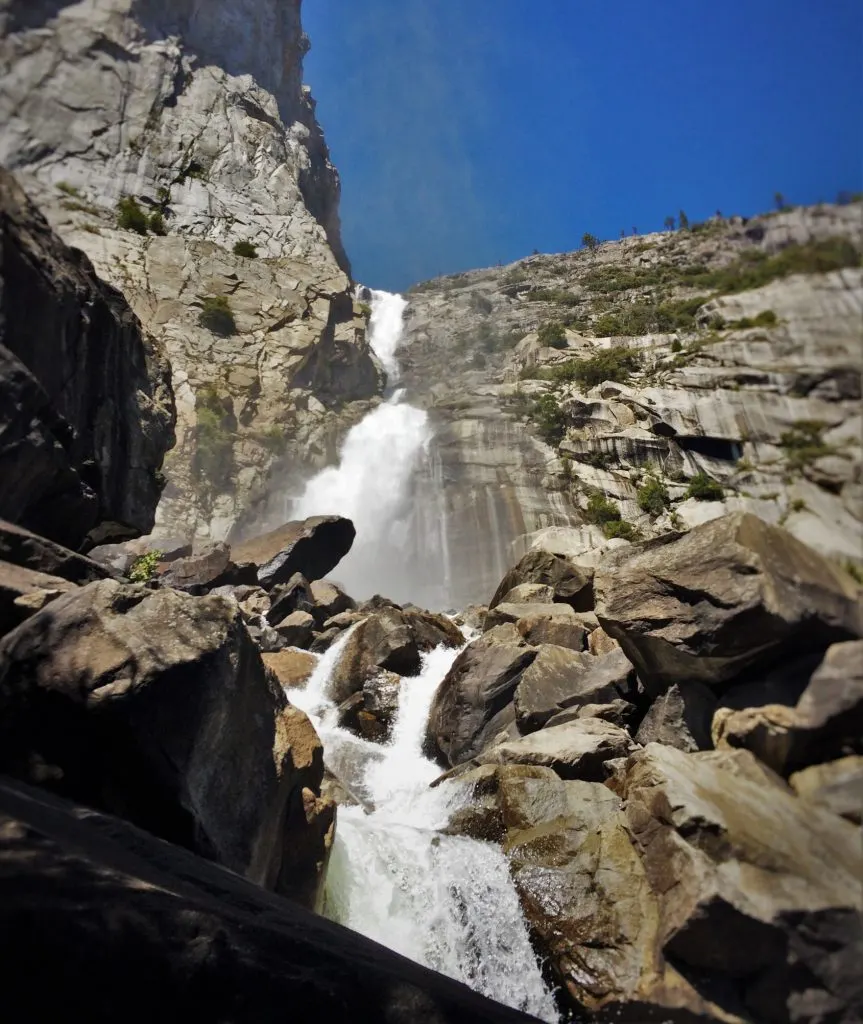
<point x="30" y="551"/>
<point x="293" y="596"/>
<point x="329" y="600"/>
<point x="292" y="669"/>
<point x="155" y="705"/>
<point x="730" y="596"/>
<point x="543" y="629"/>
<point x="837" y="786"/>
<point x="503" y="613"/>
<point x="619" y="712"/>
<point x="570" y="583"/>
<point x="204" y="570"/>
<point x="529" y="593"/>
<point x="313" y="547"/>
<point x="680" y="718"/>
<point x="296" y="629"/>
<point x="24" y="592"/>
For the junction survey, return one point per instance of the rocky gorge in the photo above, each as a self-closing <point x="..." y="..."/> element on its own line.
<point x="493" y="655"/>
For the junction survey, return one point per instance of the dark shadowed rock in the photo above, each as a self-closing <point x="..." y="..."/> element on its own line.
<point x="559" y="678"/>
<point x="24" y="592"/>
<point x="313" y="547"/>
<point x="503" y="613"/>
<point x="330" y="600"/>
<point x="86" y="408"/>
<point x="293" y="596"/>
<point x="296" y="629"/>
<point x="117" y="912"/>
<point x="570" y="583"/>
<point x="680" y="718"/>
<point x="619" y="712"/>
<point x="156" y="705"/>
<point x="205" y="570"/>
<point x="29" y="550"/>
<point x="474" y="701"/>
<point x="730" y="596"/>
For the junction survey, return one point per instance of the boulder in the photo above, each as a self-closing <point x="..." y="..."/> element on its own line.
<point x="680" y="718"/>
<point x="570" y="583"/>
<point x="324" y="640"/>
<point x="381" y="698"/>
<point x="30" y="551"/>
<point x="292" y="669"/>
<point x="24" y="592"/>
<point x="86" y="408"/>
<point x="474" y="701"/>
<point x="619" y="712"/>
<point x="503" y="613"/>
<point x="296" y="629"/>
<point x="265" y="638"/>
<point x="431" y="629"/>
<point x="529" y="593"/>
<point x="155" y="705"/>
<point x="836" y="786"/>
<point x="329" y="600"/>
<point x="122" y="916"/>
<point x="757" y="890"/>
<point x="472" y="617"/>
<point x="293" y="596"/>
<point x="599" y="642"/>
<point x="204" y="570"/>
<point x="559" y="678"/>
<point x="730" y="596"/>
<point x="575" y="750"/>
<point x="313" y="547"/>
<point x="562" y="632"/>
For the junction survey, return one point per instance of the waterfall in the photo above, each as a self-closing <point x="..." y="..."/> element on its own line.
<point x="447" y="902"/>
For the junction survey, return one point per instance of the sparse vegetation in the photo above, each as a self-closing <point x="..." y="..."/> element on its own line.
<point x="645" y="318"/>
<point x="601" y="510"/>
<point x="364" y="309"/>
<point x="273" y="437"/>
<point x="245" y="249"/>
<point x="589" y="241"/>
<point x="552" y="334"/>
<point x="766" y="318"/>
<point x="854" y="571"/>
<point x="557" y="295"/>
<point x="143" y="569"/>
<point x="130" y="216"/>
<point x="622" y="529"/>
<point x="653" y="497"/>
<point x="217" y="316"/>
<point x="803" y="443"/>
<point x="157" y="223"/>
<point x="68" y="190"/>
<point x="549" y="419"/>
<point x="704" y="488"/>
<point x="215" y="429"/>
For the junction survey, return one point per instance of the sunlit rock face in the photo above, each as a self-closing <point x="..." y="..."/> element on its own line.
<point x="197" y="112"/>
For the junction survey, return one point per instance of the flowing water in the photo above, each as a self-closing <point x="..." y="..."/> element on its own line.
<point x="447" y="902"/>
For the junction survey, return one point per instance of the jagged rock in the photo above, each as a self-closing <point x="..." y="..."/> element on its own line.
<point x="732" y="595"/>
<point x="740" y="869"/>
<point x="836" y="786"/>
<point x="619" y="712"/>
<point x="472" y="617"/>
<point x="431" y="629"/>
<point x="599" y="642"/>
<point x="529" y="593"/>
<point x="293" y="596"/>
<point x="265" y="638"/>
<point x="474" y="701"/>
<point x="313" y="547"/>
<point x="680" y="718"/>
<point x="205" y="570"/>
<point x="324" y="640"/>
<point x="24" y="592"/>
<point x="29" y="550"/>
<point x="504" y="613"/>
<point x="559" y="678"/>
<point x="381" y="698"/>
<point x="349" y="711"/>
<point x="330" y="600"/>
<point x="291" y="668"/>
<point x="542" y="629"/>
<point x="575" y="750"/>
<point x="87" y="407"/>
<point x="132" y="914"/>
<point x="506" y="633"/>
<point x="156" y="705"/>
<point x="570" y="583"/>
<point x="296" y="629"/>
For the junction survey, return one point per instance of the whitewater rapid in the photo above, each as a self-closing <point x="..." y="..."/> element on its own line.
<point x="447" y="902"/>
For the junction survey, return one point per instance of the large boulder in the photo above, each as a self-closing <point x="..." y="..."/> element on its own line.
<point x="135" y="928"/>
<point x="570" y="583"/>
<point x="474" y="701"/>
<point x="758" y="891"/>
<point x="155" y="705"/>
<point x="330" y="600"/>
<point x="836" y="785"/>
<point x="23" y="592"/>
<point x="681" y="718"/>
<point x="204" y="570"/>
<point x="313" y="547"/>
<point x="86" y="408"/>
<point x="503" y="613"/>
<point x="545" y="629"/>
<point x="30" y="551"/>
<point x="559" y="678"/>
<point x="730" y="596"/>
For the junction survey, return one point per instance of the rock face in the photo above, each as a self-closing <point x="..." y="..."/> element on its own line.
<point x="132" y="914"/>
<point x="156" y="705"/>
<point x="29" y="550"/>
<point x="312" y="547"/>
<point x="211" y="139"/>
<point x="732" y="595"/>
<point x="87" y="408"/>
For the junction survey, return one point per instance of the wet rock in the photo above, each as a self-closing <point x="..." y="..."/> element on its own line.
<point x="156" y="705"/>
<point x="86" y="408"/>
<point x="296" y="629"/>
<point x="472" y="617"/>
<point x="324" y="640"/>
<point x="474" y="701"/>
<point x="562" y="632"/>
<point x="330" y="600"/>
<point x="503" y="613"/>
<point x="313" y="547"/>
<point x="21" y="547"/>
<point x="559" y="678"/>
<point x="836" y="786"/>
<point x="575" y="750"/>
<point x="24" y="592"/>
<point x="730" y="596"/>
<point x="381" y="698"/>
<point x="432" y="629"/>
<point x="680" y="718"/>
<point x="293" y="596"/>
<point x="570" y="583"/>
<point x="348" y="712"/>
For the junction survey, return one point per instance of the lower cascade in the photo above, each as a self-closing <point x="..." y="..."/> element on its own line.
<point x="447" y="902"/>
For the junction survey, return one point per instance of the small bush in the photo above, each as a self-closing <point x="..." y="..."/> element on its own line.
<point x="653" y="497"/>
<point x="245" y="249"/>
<point x="620" y="528"/>
<point x="704" y="488"/>
<point x="549" y="419"/>
<point x="589" y="240"/>
<point x="766" y="318"/>
<point x="130" y="216"/>
<point x="803" y="443"/>
<point x="218" y="317"/>
<point x="617" y="364"/>
<point x="215" y="432"/>
<point x="557" y="295"/>
<point x="601" y="510"/>
<point x="143" y="568"/>
<point x="157" y="223"/>
<point x="855" y="572"/>
<point x="552" y="334"/>
<point x="676" y="345"/>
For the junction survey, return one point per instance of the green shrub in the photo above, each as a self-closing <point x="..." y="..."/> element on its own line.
<point x="245" y="249"/>
<point x="620" y="528"/>
<point x="68" y="190"/>
<point x="552" y="334"/>
<point x="215" y="431"/>
<point x="803" y="443"/>
<point x="766" y="318"/>
<point x="704" y="488"/>
<point x="549" y="418"/>
<point x="676" y="345"/>
<point x="601" y="510"/>
<point x="854" y="571"/>
<point x="653" y="497"/>
<point x="143" y="568"/>
<point x="130" y="216"/>
<point x="157" y="223"/>
<point x="556" y="295"/>
<point x="617" y="364"/>
<point x="478" y="361"/>
<point x="589" y="240"/>
<point x="217" y="316"/>
<point x="646" y="318"/>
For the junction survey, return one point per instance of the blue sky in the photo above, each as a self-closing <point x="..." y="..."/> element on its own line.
<point x="470" y="132"/>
